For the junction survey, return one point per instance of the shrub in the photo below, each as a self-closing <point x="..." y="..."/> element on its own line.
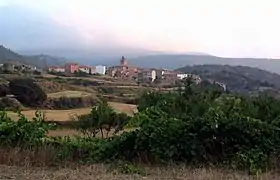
<point x="84" y="82"/>
<point x="197" y="125"/>
<point x="36" y="72"/>
<point x="23" y="133"/>
<point x="27" y="92"/>
<point x="102" y="118"/>
<point x="194" y="125"/>
<point x="4" y="90"/>
<point x="81" y="74"/>
<point x="8" y="103"/>
<point x="70" y="102"/>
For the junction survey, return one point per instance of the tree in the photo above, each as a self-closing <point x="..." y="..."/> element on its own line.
<point x="101" y="118"/>
<point x="27" y="92"/>
<point x="4" y="90"/>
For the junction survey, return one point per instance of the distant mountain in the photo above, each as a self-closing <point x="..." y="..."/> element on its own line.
<point x="7" y="55"/>
<point x="237" y="78"/>
<point x="46" y="60"/>
<point x="40" y="61"/>
<point x="173" y="61"/>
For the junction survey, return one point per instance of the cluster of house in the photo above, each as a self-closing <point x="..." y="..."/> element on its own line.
<point x="16" y="66"/>
<point x="75" y="67"/>
<point x="126" y="71"/>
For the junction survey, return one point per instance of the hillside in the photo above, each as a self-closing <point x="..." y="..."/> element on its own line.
<point x="237" y="78"/>
<point x="46" y="60"/>
<point x="6" y="55"/>
<point x="174" y="61"/>
<point x="41" y="61"/>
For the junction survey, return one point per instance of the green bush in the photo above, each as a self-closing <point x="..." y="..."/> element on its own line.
<point x="102" y="119"/>
<point x="23" y="133"/>
<point x="194" y="125"/>
<point x="197" y="125"/>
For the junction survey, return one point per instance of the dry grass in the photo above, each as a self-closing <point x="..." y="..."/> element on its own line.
<point x="69" y="94"/>
<point x="130" y="109"/>
<point x="105" y="172"/>
<point x="66" y="115"/>
<point x="53" y="115"/>
<point x="103" y="79"/>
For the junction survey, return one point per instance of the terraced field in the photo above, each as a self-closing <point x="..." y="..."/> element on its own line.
<point x="66" y="115"/>
<point x="69" y="94"/>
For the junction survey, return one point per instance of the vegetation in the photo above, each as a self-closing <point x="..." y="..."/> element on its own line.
<point x="27" y="92"/>
<point x="65" y="102"/>
<point x="7" y="103"/>
<point x="195" y="126"/>
<point x="102" y="118"/>
<point x="4" y="90"/>
<point x="237" y="78"/>
<point x="40" y="61"/>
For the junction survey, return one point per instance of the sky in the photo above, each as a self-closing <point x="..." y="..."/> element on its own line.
<point x="229" y="28"/>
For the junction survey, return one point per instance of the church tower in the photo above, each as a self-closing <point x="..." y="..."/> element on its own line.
<point x="123" y="61"/>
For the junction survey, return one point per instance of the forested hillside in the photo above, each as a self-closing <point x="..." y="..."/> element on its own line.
<point x="40" y="61"/>
<point x="237" y="78"/>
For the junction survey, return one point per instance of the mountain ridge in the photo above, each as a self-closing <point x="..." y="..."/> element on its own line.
<point x="40" y="61"/>
<point x="174" y="61"/>
<point x="236" y="78"/>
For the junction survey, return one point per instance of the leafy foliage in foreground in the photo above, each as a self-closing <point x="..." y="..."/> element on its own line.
<point x="193" y="125"/>
<point x="202" y="126"/>
<point x="23" y="132"/>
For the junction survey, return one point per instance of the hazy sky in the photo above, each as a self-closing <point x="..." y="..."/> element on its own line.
<point x="239" y="28"/>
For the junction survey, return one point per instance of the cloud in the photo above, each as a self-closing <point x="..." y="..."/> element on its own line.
<point x="227" y="28"/>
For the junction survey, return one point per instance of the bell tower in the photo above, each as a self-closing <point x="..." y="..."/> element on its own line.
<point x="123" y="61"/>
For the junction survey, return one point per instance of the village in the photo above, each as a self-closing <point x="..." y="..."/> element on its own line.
<point x="125" y="71"/>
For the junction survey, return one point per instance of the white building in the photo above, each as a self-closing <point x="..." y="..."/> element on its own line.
<point x="159" y="73"/>
<point x="148" y="75"/>
<point x="56" y="69"/>
<point x="182" y="76"/>
<point x="100" y="69"/>
<point x="85" y="69"/>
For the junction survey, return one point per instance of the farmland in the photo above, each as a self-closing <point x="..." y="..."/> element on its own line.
<point x="66" y="115"/>
<point x="69" y="115"/>
<point x="69" y="94"/>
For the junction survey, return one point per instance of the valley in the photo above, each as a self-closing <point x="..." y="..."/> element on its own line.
<point x="97" y="118"/>
<point x="174" y="90"/>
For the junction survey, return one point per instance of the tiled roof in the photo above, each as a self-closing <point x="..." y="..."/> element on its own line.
<point x="84" y="67"/>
